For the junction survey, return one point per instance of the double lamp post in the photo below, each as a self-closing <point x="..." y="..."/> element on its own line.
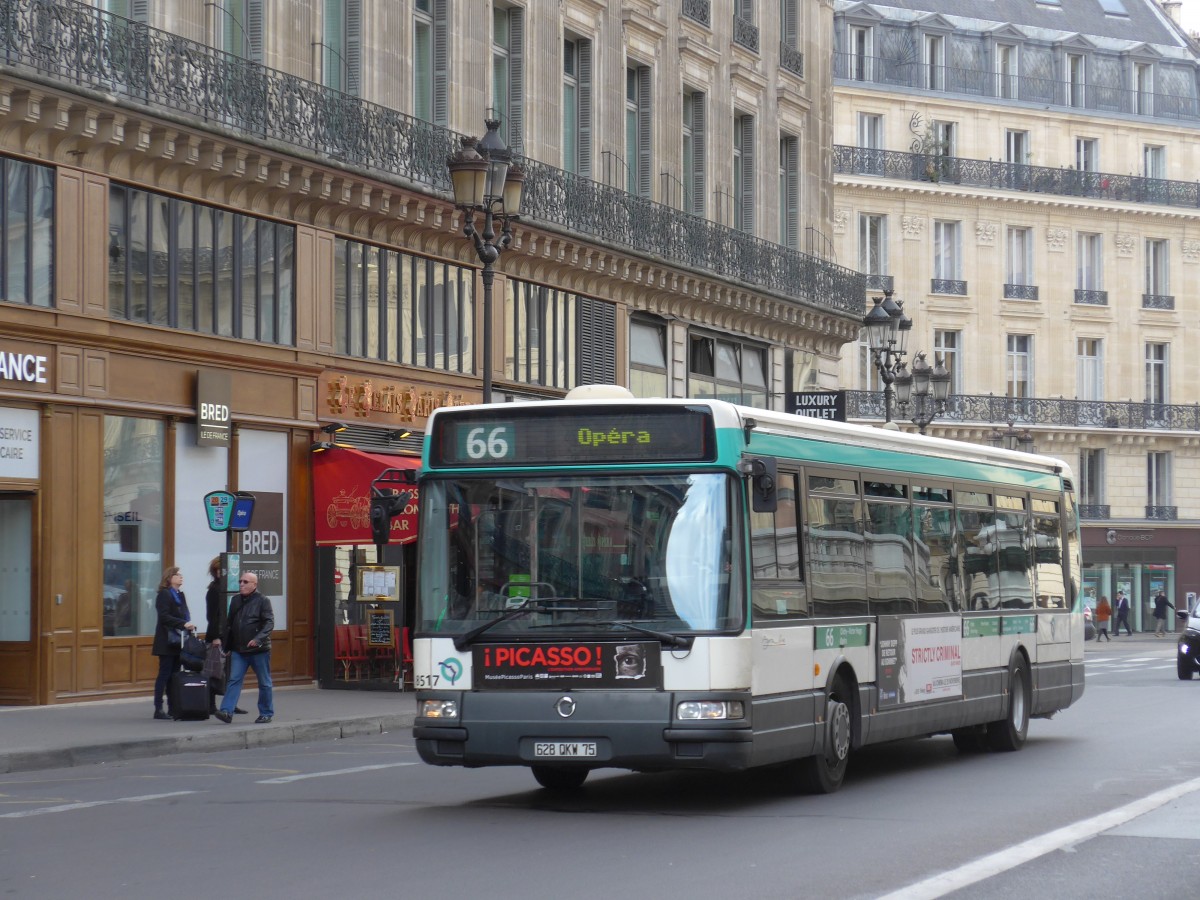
<point x="487" y="182"/>
<point x="924" y="388"/>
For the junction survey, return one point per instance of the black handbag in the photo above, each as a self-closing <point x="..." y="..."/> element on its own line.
<point x="193" y="653"/>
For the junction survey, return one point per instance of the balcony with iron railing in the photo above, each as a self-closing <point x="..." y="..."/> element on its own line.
<point x="1091" y="297"/>
<point x="913" y="74"/>
<point x="698" y="11"/>
<point x="1094" y="511"/>
<point x="1158" y="301"/>
<point x="996" y="175"/>
<point x="745" y="33"/>
<point x="1020" y="292"/>
<point x="75" y="47"/>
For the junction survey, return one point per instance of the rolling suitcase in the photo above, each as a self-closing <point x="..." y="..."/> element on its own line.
<point x="189" y="695"/>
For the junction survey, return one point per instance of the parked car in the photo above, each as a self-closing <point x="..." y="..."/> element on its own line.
<point x="1188" y="660"/>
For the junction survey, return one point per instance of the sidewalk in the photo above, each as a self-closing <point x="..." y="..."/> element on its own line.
<point x="78" y="734"/>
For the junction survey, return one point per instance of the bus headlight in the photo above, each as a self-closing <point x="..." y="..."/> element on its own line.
<point x="438" y="709"/>
<point x="710" y="709"/>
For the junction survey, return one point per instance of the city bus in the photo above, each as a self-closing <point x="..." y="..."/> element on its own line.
<point x="609" y="582"/>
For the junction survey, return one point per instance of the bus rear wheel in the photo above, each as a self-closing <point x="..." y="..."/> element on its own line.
<point x="824" y="773"/>
<point x="556" y="778"/>
<point x="1008" y="734"/>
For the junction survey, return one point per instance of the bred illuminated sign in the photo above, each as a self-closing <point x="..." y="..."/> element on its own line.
<point x="568" y="664"/>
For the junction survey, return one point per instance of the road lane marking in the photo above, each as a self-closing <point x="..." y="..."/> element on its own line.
<point x="1027" y="851"/>
<point x="68" y="807"/>
<point x="287" y="779"/>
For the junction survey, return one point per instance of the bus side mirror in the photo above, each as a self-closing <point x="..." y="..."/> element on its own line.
<point x="763" y="478"/>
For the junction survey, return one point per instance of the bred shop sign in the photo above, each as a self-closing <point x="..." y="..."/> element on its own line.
<point x="568" y="664"/>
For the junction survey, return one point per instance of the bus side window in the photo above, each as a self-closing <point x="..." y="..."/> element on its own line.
<point x="778" y="589"/>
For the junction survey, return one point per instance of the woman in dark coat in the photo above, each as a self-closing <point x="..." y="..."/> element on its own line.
<point x="216" y="602"/>
<point x="173" y="615"/>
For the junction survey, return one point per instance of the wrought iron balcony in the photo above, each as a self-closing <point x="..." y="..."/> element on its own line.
<point x="1047" y="413"/>
<point x="879" y="282"/>
<point x="1020" y="292"/>
<point x="698" y="11"/>
<point x="1164" y="513"/>
<point x="912" y="73"/>
<point x="1158" y="301"/>
<point x="1095" y="511"/>
<point x="76" y="46"/>
<point x="996" y="175"/>
<point x="1091" y="298"/>
<point x="947" y="286"/>
<point x="791" y="59"/>
<point x="745" y="33"/>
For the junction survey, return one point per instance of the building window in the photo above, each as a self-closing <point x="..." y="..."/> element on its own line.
<point x="1087" y="155"/>
<point x="1089" y="369"/>
<point x="1007" y="72"/>
<point x="1019" y="366"/>
<point x="872" y="249"/>
<point x="743" y="173"/>
<point x="790" y="57"/>
<point x="947" y="250"/>
<point x="946" y="346"/>
<point x="341" y="47"/>
<point x="133" y="524"/>
<point x="431" y="60"/>
<point x="1076" y="72"/>
<point x="16" y="562"/>
<point x="1158" y="267"/>
<point x="26" y="233"/>
<point x="935" y="62"/>
<point x="1158" y="374"/>
<point x="1143" y="89"/>
<point x="558" y="339"/>
<point x="508" y="74"/>
<point x="789" y="191"/>
<point x="1154" y="161"/>
<point x="648" y="357"/>
<point x="184" y="265"/>
<point x="400" y="308"/>
<point x="1091" y="478"/>
<point x="577" y="106"/>
<point x="237" y="28"/>
<point x="945" y="138"/>
<point x="1089" y="263"/>
<point x="1158" y="479"/>
<point x="694" y="153"/>
<point x="637" y="130"/>
<point x="1016" y="147"/>
<point x="861" y="53"/>
<point x="870" y="139"/>
<point x="1019" y="252"/>
<point x="727" y="369"/>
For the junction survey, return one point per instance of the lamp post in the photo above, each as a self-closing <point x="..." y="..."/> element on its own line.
<point x="1011" y="439"/>
<point x="487" y="182"/>
<point x="887" y="333"/>
<point x="926" y="389"/>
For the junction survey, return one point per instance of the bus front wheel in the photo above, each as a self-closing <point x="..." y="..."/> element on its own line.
<point x="555" y="778"/>
<point x="823" y="773"/>
<point x="1008" y="734"/>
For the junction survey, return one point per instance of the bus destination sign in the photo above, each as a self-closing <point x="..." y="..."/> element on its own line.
<point x="543" y="436"/>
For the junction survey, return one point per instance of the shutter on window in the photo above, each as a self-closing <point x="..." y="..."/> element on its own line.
<point x="792" y="162"/>
<point x="790" y="24"/>
<point x="644" y="127"/>
<point x="748" y="174"/>
<point x="140" y="10"/>
<point x="597" y="342"/>
<point x="744" y="9"/>
<point x="254" y="30"/>
<point x="354" y="47"/>
<point x="584" y="49"/>
<point x="516" y="80"/>
<point x="699" y="153"/>
<point x="441" y="62"/>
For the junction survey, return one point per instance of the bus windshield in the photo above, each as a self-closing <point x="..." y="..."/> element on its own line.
<point x="580" y="553"/>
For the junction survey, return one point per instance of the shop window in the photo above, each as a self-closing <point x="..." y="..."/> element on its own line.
<point x="648" y="358"/>
<point x="728" y="370"/>
<point x="558" y="339"/>
<point x="262" y="468"/>
<point x="16" y="564"/>
<point x="133" y="517"/>
<point x="26" y="233"/>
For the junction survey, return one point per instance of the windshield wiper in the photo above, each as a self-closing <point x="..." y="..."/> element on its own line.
<point x="682" y="641"/>
<point x="544" y="604"/>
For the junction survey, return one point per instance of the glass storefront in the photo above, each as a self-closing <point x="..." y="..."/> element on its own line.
<point x="16" y="566"/>
<point x="1140" y="581"/>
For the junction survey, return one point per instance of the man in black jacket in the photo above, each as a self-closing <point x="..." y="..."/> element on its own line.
<point x="248" y="638"/>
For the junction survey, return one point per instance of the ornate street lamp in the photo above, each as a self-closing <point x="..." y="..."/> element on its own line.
<point x="887" y="334"/>
<point x="1011" y="439"/>
<point x="925" y="389"/>
<point x="487" y="182"/>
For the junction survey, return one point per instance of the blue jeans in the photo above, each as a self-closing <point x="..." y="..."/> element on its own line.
<point x="261" y="664"/>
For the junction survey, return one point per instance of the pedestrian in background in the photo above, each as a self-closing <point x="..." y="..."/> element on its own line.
<point x="1161" y="603"/>
<point x="1103" y="614"/>
<point x="173" y="620"/>
<point x="248" y="638"/>
<point x="215" y="603"/>
<point x="1122" y="615"/>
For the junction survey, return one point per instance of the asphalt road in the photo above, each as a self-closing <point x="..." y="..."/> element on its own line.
<point x="1103" y="801"/>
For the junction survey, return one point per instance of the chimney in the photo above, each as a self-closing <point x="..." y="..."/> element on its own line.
<point x="1172" y="9"/>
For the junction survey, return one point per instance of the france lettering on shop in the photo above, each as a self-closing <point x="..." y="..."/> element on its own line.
<point x="26" y="367"/>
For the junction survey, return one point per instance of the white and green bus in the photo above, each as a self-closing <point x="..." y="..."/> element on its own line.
<point x="670" y="584"/>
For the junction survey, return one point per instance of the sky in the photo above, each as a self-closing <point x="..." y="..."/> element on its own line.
<point x="1190" y="15"/>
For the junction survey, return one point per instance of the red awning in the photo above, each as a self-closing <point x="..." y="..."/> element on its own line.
<point x="342" y="496"/>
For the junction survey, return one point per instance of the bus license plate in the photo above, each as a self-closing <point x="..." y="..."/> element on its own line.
<point x="564" y="749"/>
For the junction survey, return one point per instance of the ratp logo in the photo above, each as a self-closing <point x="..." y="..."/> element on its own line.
<point x="451" y="670"/>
